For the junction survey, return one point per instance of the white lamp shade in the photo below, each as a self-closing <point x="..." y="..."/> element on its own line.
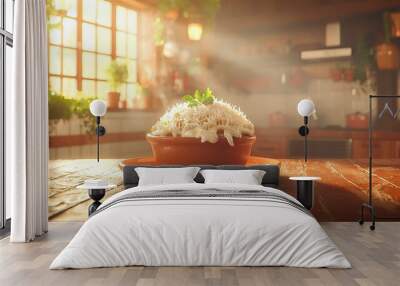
<point x="306" y="107"/>
<point x="98" y="107"/>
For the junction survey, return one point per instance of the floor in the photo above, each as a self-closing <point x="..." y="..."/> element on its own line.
<point x="375" y="257"/>
<point x="339" y="194"/>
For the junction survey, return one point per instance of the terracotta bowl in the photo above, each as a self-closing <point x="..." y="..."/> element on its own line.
<point x="181" y="150"/>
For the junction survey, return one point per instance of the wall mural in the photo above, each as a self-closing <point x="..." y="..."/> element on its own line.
<point x="143" y="58"/>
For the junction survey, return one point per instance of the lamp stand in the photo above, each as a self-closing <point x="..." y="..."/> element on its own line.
<point x="100" y="131"/>
<point x="303" y="131"/>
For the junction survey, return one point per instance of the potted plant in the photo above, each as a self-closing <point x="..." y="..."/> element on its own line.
<point x="81" y="109"/>
<point x="387" y="53"/>
<point x="117" y="74"/>
<point x="60" y="108"/>
<point x="202" y="130"/>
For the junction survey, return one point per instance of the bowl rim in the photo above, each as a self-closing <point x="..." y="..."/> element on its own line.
<point x="244" y="139"/>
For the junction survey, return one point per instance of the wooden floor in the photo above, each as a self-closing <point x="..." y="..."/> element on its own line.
<point x="339" y="194"/>
<point x="375" y="257"/>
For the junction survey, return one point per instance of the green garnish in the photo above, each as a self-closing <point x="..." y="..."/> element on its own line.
<point x="199" y="97"/>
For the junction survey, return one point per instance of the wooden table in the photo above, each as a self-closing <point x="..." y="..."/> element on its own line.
<point x="342" y="190"/>
<point x="150" y="161"/>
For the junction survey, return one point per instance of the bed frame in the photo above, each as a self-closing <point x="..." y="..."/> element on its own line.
<point x="271" y="177"/>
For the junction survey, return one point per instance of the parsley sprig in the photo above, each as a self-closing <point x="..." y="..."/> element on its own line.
<point x="199" y="97"/>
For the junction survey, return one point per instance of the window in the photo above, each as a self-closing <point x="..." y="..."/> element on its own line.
<point x="85" y="37"/>
<point x="6" y="43"/>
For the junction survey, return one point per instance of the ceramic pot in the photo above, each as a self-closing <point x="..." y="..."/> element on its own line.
<point x="185" y="151"/>
<point x="123" y="104"/>
<point x="395" y="17"/>
<point x="113" y="100"/>
<point x="387" y="56"/>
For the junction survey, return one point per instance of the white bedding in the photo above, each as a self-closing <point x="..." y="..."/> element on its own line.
<point x="200" y="231"/>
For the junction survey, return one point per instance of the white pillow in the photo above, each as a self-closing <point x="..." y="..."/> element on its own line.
<point x="248" y="177"/>
<point x="165" y="176"/>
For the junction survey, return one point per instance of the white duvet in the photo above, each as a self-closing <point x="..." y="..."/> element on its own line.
<point x="193" y="231"/>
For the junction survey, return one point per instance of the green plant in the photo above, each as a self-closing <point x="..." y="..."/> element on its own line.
<point x="205" y="97"/>
<point x="387" y="26"/>
<point x="363" y="58"/>
<point x="203" y="9"/>
<point x="117" y="74"/>
<point x="159" y="32"/>
<point x="51" y="10"/>
<point x="81" y="109"/>
<point x="60" y="108"/>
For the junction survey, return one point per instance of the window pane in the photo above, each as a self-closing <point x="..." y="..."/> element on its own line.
<point x="54" y="60"/>
<point x="131" y="90"/>
<point x="121" y="44"/>
<point x="132" y="71"/>
<point x="89" y="10"/>
<point x="102" y="89"/>
<point x="88" y="65"/>
<point x="104" y="13"/>
<point x="89" y="37"/>
<point x="122" y="90"/>
<point x="121" y="18"/>
<point x="69" y="32"/>
<point x="132" y="21"/>
<point x="71" y="8"/>
<point x="131" y="46"/>
<point x="88" y="88"/>
<point x="9" y="15"/>
<point x="68" y="5"/>
<point x="55" y="84"/>
<point x="102" y="65"/>
<point x="55" y="31"/>
<point x="69" y="62"/>
<point x="69" y="87"/>
<point x="103" y="40"/>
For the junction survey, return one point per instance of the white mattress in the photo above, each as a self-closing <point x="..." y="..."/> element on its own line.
<point x="200" y="231"/>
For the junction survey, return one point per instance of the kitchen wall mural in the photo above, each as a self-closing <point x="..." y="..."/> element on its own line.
<point x="141" y="57"/>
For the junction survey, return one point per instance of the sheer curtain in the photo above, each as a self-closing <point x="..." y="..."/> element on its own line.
<point x="27" y="123"/>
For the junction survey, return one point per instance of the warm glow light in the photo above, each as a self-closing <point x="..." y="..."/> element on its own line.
<point x="195" y="31"/>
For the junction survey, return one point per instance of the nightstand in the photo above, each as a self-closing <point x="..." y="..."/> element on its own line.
<point x="305" y="190"/>
<point x="96" y="193"/>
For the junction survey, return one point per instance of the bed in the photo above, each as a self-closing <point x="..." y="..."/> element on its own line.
<point x="197" y="224"/>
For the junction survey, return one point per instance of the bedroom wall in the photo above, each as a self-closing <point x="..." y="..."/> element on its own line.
<point x="250" y="57"/>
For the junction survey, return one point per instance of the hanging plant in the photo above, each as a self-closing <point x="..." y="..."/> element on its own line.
<point x="363" y="59"/>
<point x="206" y="10"/>
<point x="51" y="12"/>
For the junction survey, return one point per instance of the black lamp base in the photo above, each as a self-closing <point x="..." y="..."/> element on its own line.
<point x="304" y="130"/>
<point x="96" y="195"/>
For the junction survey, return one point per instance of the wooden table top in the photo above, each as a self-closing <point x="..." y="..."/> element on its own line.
<point x="150" y="161"/>
<point x="339" y="194"/>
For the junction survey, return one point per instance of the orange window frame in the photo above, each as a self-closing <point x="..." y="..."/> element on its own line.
<point x="79" y="50"/>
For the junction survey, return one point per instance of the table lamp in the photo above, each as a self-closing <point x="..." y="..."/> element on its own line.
<point x="98" y="108"/>
<point x="305" y="108"/>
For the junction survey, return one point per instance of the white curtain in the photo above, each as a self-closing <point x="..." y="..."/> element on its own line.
<point x="27" y="123"/>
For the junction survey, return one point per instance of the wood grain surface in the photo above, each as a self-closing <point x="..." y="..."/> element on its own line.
<point x="343" y="188"/>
